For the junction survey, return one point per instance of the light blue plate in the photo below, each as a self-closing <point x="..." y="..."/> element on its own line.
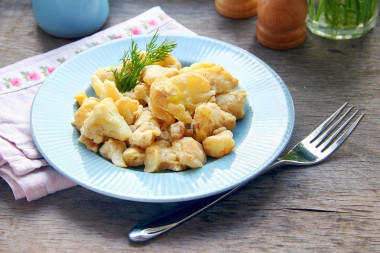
<point x="260" y="136"/>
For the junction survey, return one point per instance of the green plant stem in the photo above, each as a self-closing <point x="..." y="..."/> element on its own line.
<point x="340" y="13"/>
<point x="133" y="62"/>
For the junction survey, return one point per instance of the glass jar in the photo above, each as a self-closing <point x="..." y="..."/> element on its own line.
<point x="342" y="19"/>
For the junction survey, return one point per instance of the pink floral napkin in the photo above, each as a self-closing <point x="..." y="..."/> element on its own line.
<point x="21" y="165"/>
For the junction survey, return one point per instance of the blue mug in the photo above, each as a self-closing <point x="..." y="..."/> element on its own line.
<point x="70" y="18"/>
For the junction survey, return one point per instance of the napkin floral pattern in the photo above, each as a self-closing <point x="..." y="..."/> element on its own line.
<point x="21" y="165"/>
<point x="14" y="78"/>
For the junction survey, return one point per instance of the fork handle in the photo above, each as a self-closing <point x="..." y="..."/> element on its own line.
<point x="157" y="226"/>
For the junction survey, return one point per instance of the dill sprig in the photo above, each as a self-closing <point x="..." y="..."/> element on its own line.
<point x="133" y="61"/>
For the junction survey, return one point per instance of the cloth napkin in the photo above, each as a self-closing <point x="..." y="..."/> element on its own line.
<point x="21" y="165"/>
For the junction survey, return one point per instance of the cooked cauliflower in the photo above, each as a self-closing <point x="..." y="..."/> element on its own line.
<point x="219" y="145"/>
<point x="87" y="105"/>
<point x="177" y="130"/>
<point x="220" y="79"/>
<point x="104" y="85"/>
<point x="178" y="96"/>
<point x="192" y="90"/>
<point x="130" y="109"/>
<point x="209" y="117"/>
<point x="134" y="156"/>
<point x="170" y="62"/>
<point x="159" y="94"/>
<point x="197" y="65"/>
<point x="183" y="153"/>
<point x="172" y="120"/>
<point x="165" y="132"/>
<point x="232" y="102"/>
<point x="130" y="94"/>
<point x="179" y="112"/>
<point x="147" y="129"/>
<point x="141" y="93"/>
<point x="160" y="156"/>
<point x="189" y="152"/>
<point x="144" y="116"/>
<point x="151" y="72"/>
<point x="105" y="74"/>
<point x="105" y="121"/>
<point x="80" y="97"/>
<point x="170" y="132"/>
<point x="113" y="150"/>
<point x="90" y="144"/>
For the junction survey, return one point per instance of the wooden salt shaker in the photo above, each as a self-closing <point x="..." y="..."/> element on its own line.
<point x="281" y="23"/>
<point x="236" y="9"/>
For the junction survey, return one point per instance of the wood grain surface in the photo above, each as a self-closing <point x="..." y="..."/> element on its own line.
<point x="332" y="207"/>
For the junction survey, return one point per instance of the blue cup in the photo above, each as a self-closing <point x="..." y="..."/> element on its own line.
<point x="70" y="18"/>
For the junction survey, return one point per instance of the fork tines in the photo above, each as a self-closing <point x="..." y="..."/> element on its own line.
<point x="330" y="134"/>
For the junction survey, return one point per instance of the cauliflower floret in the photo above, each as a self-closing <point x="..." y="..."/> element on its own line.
<point x="192" y="90"/>
<point x="151" y="72"/>
<point x="232" y="102"/>
<point x="218" y="131"/>
<point x="146" y="134"/>
<point x="130" y="109"/>
<point x="134" y="156"/>
<point x="141" y="93"/>
<point x="177" y="130"/>
<point x="170" y="62"/>
<point x="197" y="65"/>
<point x="159" y="94"/>
<point x="105" y="121"/>
<point x="219" y="78"/>
<point x="189" y="152"/>
<point x="179" y="112"/>
<point x="160" y="156"/>
<point x="80" y="97"/>
<point x="88" y="104"/>
<point x="209" y="117"/>
<point x="113" y="150"/>
<point x="111" y="91"/>
<point x="170" y="132"/>
<point x="219" y="145"/>
<point x="104" y="85"/>
<point x="165" y="132"/>
<point x="178" y="96"/>
<point x="105" y="74"/>
<point x="90" y="144"/>
<point x="145" y="115"/>
<point x="130" y="94"/>
<point x="147" y="129"/>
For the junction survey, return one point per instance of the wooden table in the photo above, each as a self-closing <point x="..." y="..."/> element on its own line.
<point x="332" y="207"/>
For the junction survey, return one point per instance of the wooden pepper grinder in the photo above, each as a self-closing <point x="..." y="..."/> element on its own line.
<point x="281" y="23"/>
<point x="236" y="8"/>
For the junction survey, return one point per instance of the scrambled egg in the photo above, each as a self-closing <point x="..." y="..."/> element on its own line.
<point x="172" y="120"/>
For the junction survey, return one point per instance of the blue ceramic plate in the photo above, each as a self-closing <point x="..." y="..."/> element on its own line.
<point x="260" y="136"/>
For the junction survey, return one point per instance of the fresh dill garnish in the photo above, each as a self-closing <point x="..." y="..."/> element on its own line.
<point x="133" y="62"/>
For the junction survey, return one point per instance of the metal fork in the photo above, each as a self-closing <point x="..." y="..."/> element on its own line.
<point x="315" y="148"/>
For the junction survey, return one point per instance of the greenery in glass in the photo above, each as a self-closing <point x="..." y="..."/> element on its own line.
<point x="342" y="19"/>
